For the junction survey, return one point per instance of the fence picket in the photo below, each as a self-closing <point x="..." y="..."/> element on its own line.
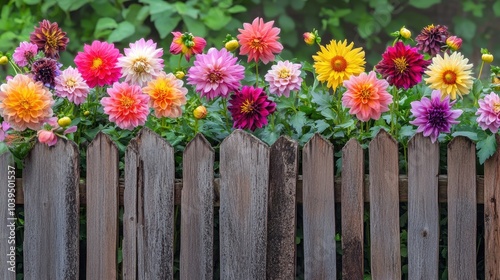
<point x="7" y="216"/>
<point x="197" y="210"/>
<point x="244" y="181"/>
<point x="352" y="210"/>
<point x="492" y="215"/>
<point x="461" y="209"/>
<point x="102" y="208"/>
<point x="319" y="209"/>
<point x="423" y="208"/>
<point x="282" y="209"/>
<point x="52" y="213"/>
<point x="384" y="207"/>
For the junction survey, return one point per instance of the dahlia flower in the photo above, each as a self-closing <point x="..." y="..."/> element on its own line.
<point x="142" y="62"/>
<point x="338" y="61"/>
<point x="432" y="39"/>
<point x="126" y="105"/>
<point x="259" y="40"/>
<point x="25" y="53"/>
<point x="98" y="63"/>
<point x="45" y="70"/>
<point x="402" y="66"/>
<point x="283" y="78"/>
<point x="166" y="95"/>
<point x="489" y="112"/>
<point x="25" y="103"/>
<point x="434" y="116"/>
<point x="454" y="43"/>
<point x="71" y="85"/>
<point x="51" y="130"/>
<point x="215" y="73"/>
<point x="187" y="44"/>
<point x="3" y="130"/>
<point x="250" y="108"/>
<point x="366" y="96"/>
<point x="49" y="38"/>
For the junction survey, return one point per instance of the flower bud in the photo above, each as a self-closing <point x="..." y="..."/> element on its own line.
<point x="86" y="113"/>
<point x="64" y="121"/>
<point x="231" y="45"/>
<point x="179" y="74"/>
<point x="309" y="38"/>
<point x="200" y="112"/>
<point x="487" y="57"/>
<point x="4" y="60"/>
<point x="454" y="43"/>
<point x="405" y="33"/>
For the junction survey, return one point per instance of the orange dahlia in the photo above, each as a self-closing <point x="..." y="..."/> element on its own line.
<point x="259" y="40"/>
<point x="167" y="95"/>
<point x="25" y="103"/>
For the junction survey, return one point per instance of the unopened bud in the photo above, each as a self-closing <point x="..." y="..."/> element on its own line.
<point x="200" y="112"/>
<point x="231" y="45"/>
<point x="487" y="57"/>
<point x="405" y="33"/>
<point x="64" y="121"/>
<point x="86" y="113"/>
<point x="454" y="43"/>
<point x="309" y="38"/>
<point x="179" y="75"/>
<point x="4" y="60"/>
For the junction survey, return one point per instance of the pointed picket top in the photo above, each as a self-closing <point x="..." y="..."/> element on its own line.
<point x="318" y="139"/>
<point x="199" y="140"/>
<point x="148" y="135"/>
<point x="102" y="139"/>
<point x="381" y="138"/>
<point x="241" y="135"/>
<point x="8" y="214"/>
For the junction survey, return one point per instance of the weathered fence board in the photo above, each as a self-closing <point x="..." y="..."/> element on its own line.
<point x="8" y="217"/>
<point x="244" y="181"/>
<point x="197" y="210"/>
<point x="52" y="213"/>
<point x="461" y="209"/>
<point x="281" y="210"/>
<point x="319" y="209"/>
<point x="352" y="210"/>
<point x="102" y="208"/>
<point x="384" y="207"/>
<point x="492" y="215"/>
<point x="155" y="206"/>
<point x="423" y="208"/>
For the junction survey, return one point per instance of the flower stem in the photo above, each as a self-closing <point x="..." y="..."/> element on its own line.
<point x="226" y="117"/>
<point x="394" y="108"/>
<point x="480" y="70"/>
<point x="257" y="74"/>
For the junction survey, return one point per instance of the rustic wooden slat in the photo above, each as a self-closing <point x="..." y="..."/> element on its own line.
<point x="197" y="210"/>
<point x="8" y="217"/>
<point x="492" y="214"/>
<point x="51" y="208"/>
<point x="319" y="209"/>
<point x="102" y="208"/>
<point x="384" y="207"/>
<point x="352" y="210"/>
<point x="423" y="208"/>
<point x="244" y="181"/>
<point x="282" y="209"/>
<point x="461" y="209"/>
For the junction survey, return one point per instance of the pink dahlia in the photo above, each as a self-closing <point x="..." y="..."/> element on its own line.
<point x="187" y="44"/>
<point x="283" y="78"/>
<point x="250" y="108"/>
<point x="71" y="85"/>
<point x="126" y="105"/>
<point x="215" y="73"/>
<point x="259" y="40"/>
<point x="51" y="130"/>
<point x="25" y="53"/>
<point x="434" y="116"/>
<point x="98" y="63"/>
<point x="402" y="66"/>
<point x="142" y="62"/>
<point x="366" y="96"/>
<point x="4" y="127"/>
<point x="489" y="112"/>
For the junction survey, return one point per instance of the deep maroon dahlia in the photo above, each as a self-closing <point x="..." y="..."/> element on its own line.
<point x="402" y="66"/>
<point x="250" y="108"/>
<point x="49" y="38"/>
<point x="432" y="38"/>
<point x="45" y="70"/>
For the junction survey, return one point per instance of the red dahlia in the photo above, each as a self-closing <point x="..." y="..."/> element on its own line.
<point x="250" y="108"/>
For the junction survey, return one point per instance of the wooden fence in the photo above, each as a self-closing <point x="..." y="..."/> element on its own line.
<point x="258" y="190"/>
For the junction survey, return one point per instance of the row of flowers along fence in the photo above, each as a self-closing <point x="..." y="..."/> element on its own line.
<point x="258" y="189"/>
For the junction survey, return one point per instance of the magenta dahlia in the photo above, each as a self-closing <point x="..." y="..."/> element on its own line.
<point x="250" y="108"/>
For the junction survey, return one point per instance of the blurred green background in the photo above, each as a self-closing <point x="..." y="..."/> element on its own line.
<point x="366" y="22"/>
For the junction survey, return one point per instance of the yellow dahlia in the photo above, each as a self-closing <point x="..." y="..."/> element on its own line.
<point x="450" y="74"/>
<point x="337" y="62"/>
<point x="25" y="103"/>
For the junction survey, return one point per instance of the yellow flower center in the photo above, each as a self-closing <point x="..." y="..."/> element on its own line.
<point x="70" y="82"/>
<point x="214" y="77"/>
<point x="140" y="65"/>
<point x="400" y="64"/>
<point x="126" y="102"/>
<point x="256" y="43"/>
<point x="339" y="64"/>
<point x="247" y="107"/>
<point x="96" y="64"/>
<point x="365" y="94"/>
<point x="284" y="73"/>
<point x="449" y="77"/>
<point x="496" y="107"/>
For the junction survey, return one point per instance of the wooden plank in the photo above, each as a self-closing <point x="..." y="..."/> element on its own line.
<point x="423" y="208"/>
<point x="244" y="181"/>
<point x="52" y="212"/>
<point x="102" y="208"/>
<point x="197" y="210"/>
<point x="384" y="207"/>
<point x="282" y="209"/>
<point x="8" y="217"/>
<point x="319" y="209"/>
<point x="462" y="219"/>
<point x="352" y="210"/>
<point x="491" y="214"/>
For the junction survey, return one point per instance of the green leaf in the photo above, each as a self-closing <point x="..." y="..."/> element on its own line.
<point x="496" y="8"/>
<point x="321" y="125"/>
<point x="297" y="121"/>
<point x="237" y="9"/>
<point x="486" y="148"/>
<point x="160" y="7"/>
<point x="184" y="9"/>
<point x="469" y="134"/>
<point x="166" y="24"/>
<point x="124" y="30"/>
<point x="31" y="2"/>
<point x="423" y="4"/>
<point x="195" y="26"/>
<point x="215" y="19"/>
<point x="286" y="22"/>
<point x="465" y="28"/>
<point x="105" y="23"/>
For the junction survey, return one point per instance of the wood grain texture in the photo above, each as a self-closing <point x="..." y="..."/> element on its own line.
<point x="51" y="207"/>
<point x="352" y="210"/>
<point x="244" y="181"/>
<point x="462" y="219"/>
<point x="423" y="208"/>
<point x="319" y="209"/>
<point x="492" y="215"/>
<point x="102" y="208"/>
<point x="197" y="210"/>
<point x="384" y="208"/>
<point x="282" y="209"/>
<point x="8" y="217"/>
